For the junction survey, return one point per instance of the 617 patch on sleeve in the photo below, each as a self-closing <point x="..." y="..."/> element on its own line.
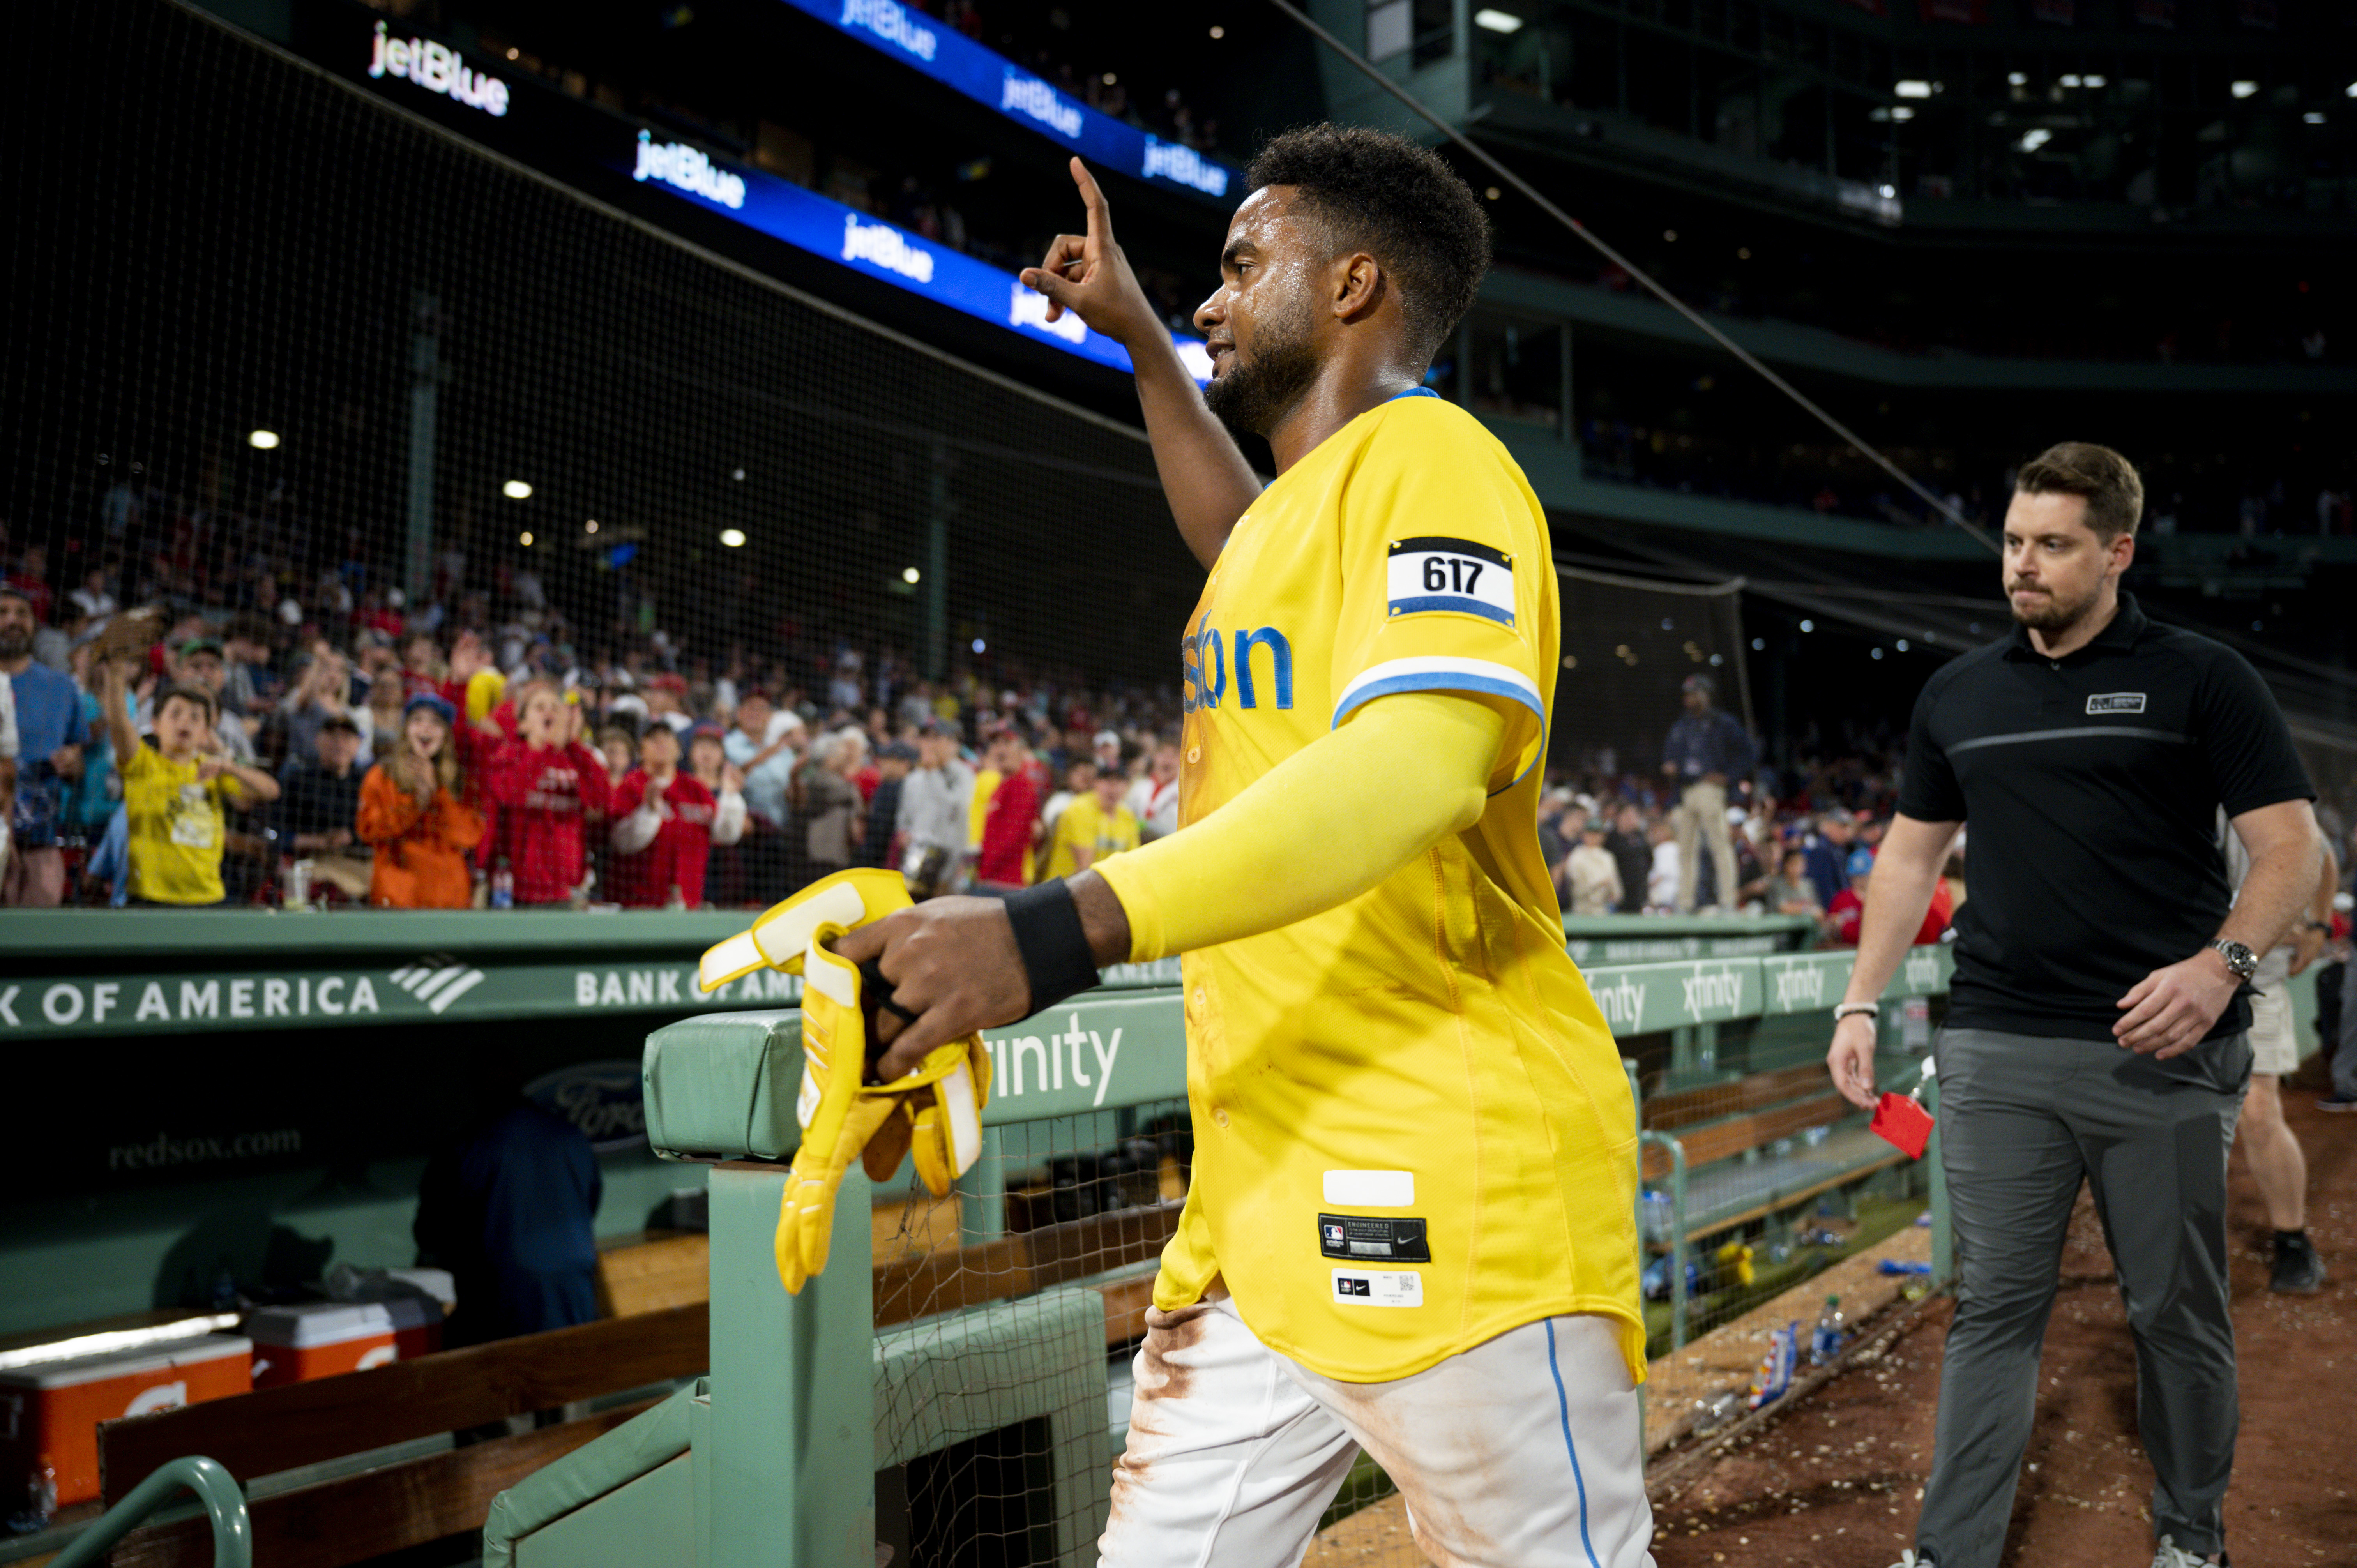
<point x="1451" y="574"/>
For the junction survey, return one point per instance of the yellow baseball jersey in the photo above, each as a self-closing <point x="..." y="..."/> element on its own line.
<point x="1411" y="1130"/>
<point x="1085" y="825"/>
<point x="178" y="828"/>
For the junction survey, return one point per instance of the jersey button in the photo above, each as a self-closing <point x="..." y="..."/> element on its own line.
<point x="1194" y="753"/>
<point x="1199" y="997"/>
<point x="1221" y="1116"/>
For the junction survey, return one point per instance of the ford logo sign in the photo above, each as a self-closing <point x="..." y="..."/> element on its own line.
<point x="605" y="1100"/>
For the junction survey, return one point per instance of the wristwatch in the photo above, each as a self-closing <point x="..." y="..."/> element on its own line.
<point x="2240" y="959"/>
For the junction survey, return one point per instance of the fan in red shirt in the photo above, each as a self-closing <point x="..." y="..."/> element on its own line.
<point x="547" y="785"/>
<point x="1011" y="820"/>
<point x="666" y="824"/>
<point x="1849" y="905"/>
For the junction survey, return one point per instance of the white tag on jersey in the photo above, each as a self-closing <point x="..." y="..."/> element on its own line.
<point x="1369" y="1190"/>
<point x="1378" y="1287"/>
<point x="1457" y="575"/>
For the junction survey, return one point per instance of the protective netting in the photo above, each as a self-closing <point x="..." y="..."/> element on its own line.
<point x="1629" y="645"/>
<point x="376" y="409"/>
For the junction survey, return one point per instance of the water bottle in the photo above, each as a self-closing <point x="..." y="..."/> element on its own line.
<point x="678" y="901"/>
<point x="1825" y="1341"/>
<point x="502" y="886"/>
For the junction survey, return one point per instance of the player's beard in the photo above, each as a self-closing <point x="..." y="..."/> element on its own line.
<point x="1252" y="395"/>
<point x="2054" y="614"/>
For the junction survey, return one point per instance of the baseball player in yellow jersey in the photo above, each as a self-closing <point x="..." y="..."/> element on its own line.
<point x="1410" y="1226"/>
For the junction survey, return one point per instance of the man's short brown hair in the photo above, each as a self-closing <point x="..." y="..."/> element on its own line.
<point x="2106" y="481"/>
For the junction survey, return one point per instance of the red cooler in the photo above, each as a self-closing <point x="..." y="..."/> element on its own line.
<point x="49" y="1411"/>
<point x="296" y="1344"/>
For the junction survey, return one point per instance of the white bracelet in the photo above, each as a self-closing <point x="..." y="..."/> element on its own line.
<point x="1851" y="1009"/>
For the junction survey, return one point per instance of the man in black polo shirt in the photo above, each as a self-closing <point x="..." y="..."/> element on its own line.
<point x="2096" y="1027"/>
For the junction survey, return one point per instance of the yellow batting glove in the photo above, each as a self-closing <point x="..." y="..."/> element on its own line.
<point x="782" y="933"/>
<point x="838" y="1116"/>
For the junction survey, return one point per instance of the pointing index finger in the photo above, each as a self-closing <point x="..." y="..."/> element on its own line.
<point x="1093" y="198"/>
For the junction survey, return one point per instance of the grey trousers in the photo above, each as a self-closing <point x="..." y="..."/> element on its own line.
<point x="2023" y="1119"/>
<point x="2344" y="1053"/>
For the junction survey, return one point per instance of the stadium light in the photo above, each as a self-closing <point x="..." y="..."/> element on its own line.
<point x="1875" y="652"/>
<point x="1498" y="21"/>
<point x="1219" y="32"/>
<point x="911" y="576"/>
<point x="2314" y="116"/>
<point x="590" y="526"/>
<point x="1758" y="645"/>
<point x="979" y="646"/>
<point x="2350" y="91"/>
<point x="1808" y="626"/>
<point x="1913" y="90"/>
<point x="2034" y="138"/>
<point x="2093" y="81"/>
<point x="524" y="539"/>
<point x="262" y="440"/>
<point x="2016" y="78"/>
<point x="1902" y="112"/>
<point x="1902" y="645"/>
<point x="2246" y="90"/>
<point x="733" y="537"/>
<point x="2072" y="80"/>
<point x="516" y="490"/>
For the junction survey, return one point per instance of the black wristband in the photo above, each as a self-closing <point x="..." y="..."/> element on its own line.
<point x="1048" y="932"/>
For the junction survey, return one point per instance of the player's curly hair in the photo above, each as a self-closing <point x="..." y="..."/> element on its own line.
<point x="1399" y="202"/>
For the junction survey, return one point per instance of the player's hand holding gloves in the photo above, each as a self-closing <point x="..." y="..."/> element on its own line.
<point x="933" y="1112"/>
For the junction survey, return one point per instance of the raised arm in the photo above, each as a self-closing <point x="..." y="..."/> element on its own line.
<point x="1203" y="472"/>
<point x="116" y="712"/>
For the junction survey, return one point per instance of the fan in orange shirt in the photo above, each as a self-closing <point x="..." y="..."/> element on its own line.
<point x="410" y="810"/>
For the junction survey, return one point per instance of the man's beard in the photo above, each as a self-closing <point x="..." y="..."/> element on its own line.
<point x="15" y="644"/>
<point x="1251" y="397"/>
<point x="2054" y="613"/>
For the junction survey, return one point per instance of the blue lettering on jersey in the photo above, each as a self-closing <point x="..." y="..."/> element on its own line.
<point x="1203" y="687"/>
<point x="1281" y="660"/>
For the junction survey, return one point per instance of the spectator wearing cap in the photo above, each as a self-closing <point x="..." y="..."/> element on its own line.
<point x="49" y="758"/>
<point x="1079" y="778"/>
<point x="321" y="806"/>
<point x="1844" y="915"/>
<point x="1591" y="874"/>
<point x="1828" y="854"/>
<point x="323" y="687"/>
<point x="413" y="813"/>
<point x="761" y="744"/>
<point x="199" y="662"/>
<point x="1004" y="861"/>
<point x="666" y="824"/>
<point x="1106" y="747"/>
<point x="1705" y="750"/>
<point x="893" y="761"/>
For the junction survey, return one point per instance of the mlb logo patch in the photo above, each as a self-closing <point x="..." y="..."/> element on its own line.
<point x="2116" y="702"/>
<point x="1333" y="1235"/>
<point x="1353" y="1285"/>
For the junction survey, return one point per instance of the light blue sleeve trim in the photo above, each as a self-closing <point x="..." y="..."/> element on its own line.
<point x="1436" y="680"/>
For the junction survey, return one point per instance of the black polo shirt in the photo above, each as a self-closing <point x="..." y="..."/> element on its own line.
<point x="2091" y="784"/>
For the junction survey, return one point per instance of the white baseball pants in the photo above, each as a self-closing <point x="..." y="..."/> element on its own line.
<point x="1524" y="1452"/>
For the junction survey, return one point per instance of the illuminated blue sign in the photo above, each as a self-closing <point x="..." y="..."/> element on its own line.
<point x="989" y="78"/>
<point x="809" y="221"/>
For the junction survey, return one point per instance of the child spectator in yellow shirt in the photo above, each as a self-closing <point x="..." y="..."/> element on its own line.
<point x="174" y="792"/>
<point x="1094" y="826"/>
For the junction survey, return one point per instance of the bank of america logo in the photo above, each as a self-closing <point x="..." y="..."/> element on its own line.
<point x="437" y="981"/>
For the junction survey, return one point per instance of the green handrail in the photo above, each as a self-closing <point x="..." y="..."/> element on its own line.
<point x="1678" y="1153"/>
<point x="214" y="1486"/>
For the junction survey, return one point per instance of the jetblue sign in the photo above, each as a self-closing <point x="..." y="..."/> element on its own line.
<point x="990" y="80"/>
<point x="809" y="221"/>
